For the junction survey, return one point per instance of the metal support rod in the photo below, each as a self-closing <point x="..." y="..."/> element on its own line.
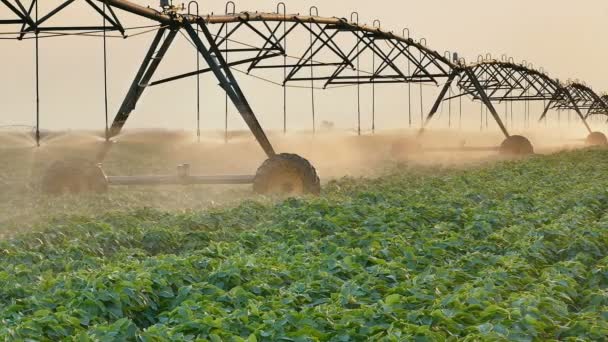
<point x="578" y="110"/>
<point x="352" y="16"/>
<point x="409" y="84"/>
<point x="179" y="180"/>
<point x="486" y="111"/>
<point x="547" y="107"/>
<point x="544" y="113"/>
<point x="312" y="75"/>
<point x="450" y="108"/>
<point x="481" y="116"/>
<point x="506" y="114"/>
<point x="207" y="70"/>
<point x="284" y="6"/>
<point x="409" y="95"/>
<point x="377" y="25"/>
<point x="198" y="79"/>
<point x="140" y="10"/>
<point x="440" y="98"/>
<point x="145" y="73"/>
<point x="146" y="70"/>
<point x="421" y="105"/>
<point x="449" y="56"/>
<point x="527" y="111"/>
<point x="460" y="114"/>
<point x="105" y="77"/>
<point x="484" y="98"/>
<point x="226" y="96"/>
<point x="228" y="4"/>
<point x="228" y="82"/>
<point x="512" y="122"/>
<point x="52" y="13"/>
<point x="37" y="81"/>
<point x="373" y="89"/>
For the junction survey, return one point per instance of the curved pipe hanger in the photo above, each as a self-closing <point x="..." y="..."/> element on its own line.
<point x="230" y="4"/>
<point x="354" y="17"/>
<point x="314" y="9"/>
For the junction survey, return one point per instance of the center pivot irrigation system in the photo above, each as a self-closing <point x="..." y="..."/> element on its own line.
<point x="332" y="56"/>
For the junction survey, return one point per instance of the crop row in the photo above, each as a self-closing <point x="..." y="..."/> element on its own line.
<point x="512" y="251"/>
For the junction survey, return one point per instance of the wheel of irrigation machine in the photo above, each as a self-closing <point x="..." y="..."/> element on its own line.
<point x="403" y="149"/>
<point x="74" y="176"/>
<point x="516" y="145"/>
<point x="596" y="139"/>
<point x="287" y="174"/>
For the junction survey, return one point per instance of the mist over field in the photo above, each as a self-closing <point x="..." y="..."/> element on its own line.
<point x="334" y="154"/>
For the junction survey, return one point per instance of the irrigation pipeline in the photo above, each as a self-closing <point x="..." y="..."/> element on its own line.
<point x="331" y="56"/>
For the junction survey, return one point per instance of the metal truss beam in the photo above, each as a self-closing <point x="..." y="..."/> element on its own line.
<point x="334" y="52"/>
<point x="31" y="25"/>
<point x="494" y="81"/>
<point x="584" y="98"/>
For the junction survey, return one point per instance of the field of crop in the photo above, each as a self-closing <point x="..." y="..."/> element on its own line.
<point x="514" y="250"/>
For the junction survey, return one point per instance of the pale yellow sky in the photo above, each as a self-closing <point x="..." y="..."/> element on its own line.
<point x="563" y="36"/>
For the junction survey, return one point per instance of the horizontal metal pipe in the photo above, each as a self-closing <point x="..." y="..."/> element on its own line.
<point x="339" y="22"/>
<point x="11" y="21"/>
<point x="179" y="180"/>
<point x="76" y="28"/>
<point x="462" y="149"/>
<point x="255" y="16"/>
<point x="140" y="10"/>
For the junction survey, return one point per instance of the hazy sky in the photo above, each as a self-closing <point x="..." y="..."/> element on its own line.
<point x="563" y="36"/>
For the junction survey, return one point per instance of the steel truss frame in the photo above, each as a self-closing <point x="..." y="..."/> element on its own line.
<point x="599" y="108"/>
<point x="394" y="55"/>
<point x="328" y="35"/>
<point x="583" y="98"/>
<point x="336" y="46"/>
<point x="492" y="81"/>
<point x="34" y="23"/>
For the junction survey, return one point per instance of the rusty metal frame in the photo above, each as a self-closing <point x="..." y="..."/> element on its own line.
<point x="491" y="81"/>
<point x="429" y="66"/>
<point x="31" y="25"/>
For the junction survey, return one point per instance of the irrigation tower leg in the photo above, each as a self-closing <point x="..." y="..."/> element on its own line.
<point x="143" y="77"/>
<point x="440" y="98"/>
<point x="485" y="100"/>
<point x="216" y="62"/>
<point x="546" y="110"/>
<point x="578" y="111"/>
<point x="228" y="82"/>
<point x="574" y="104"/>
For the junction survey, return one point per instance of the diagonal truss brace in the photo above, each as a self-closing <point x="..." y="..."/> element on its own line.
<point x="483" y="96"/>
<point x="217" y="64"/>
<point x="563" y="92"/>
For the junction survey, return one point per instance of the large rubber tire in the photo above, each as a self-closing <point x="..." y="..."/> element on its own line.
<point x="596" y="139"/>
<point x="405" y="148"/>
<point x="516" y="145"/>
<point x="287" y="174"/>
<point x="74" y="176"/>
